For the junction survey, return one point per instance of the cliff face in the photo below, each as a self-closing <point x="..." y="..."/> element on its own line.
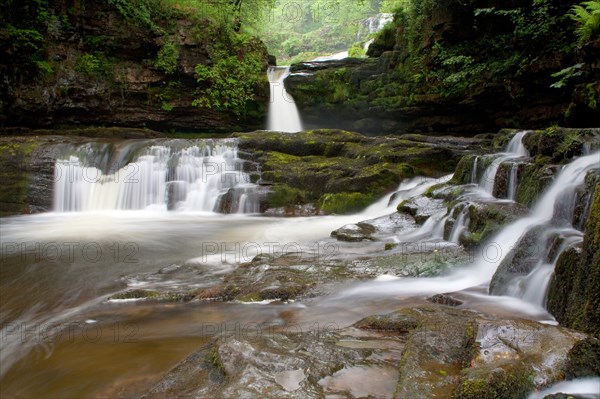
<point x="459" y="66"/>
<point x="69" y="62"/>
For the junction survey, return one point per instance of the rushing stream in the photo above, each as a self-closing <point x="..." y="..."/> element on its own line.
<point x="62" y="337"/>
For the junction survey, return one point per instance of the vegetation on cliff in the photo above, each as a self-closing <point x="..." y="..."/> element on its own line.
<point x="464" y="66"/>
<point x="179" y="64"/>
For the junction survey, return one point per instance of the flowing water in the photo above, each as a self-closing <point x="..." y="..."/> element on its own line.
<point x="515" y="150"/>
<point x="61" y="336"/>
<point x="174" y="175"/>
<point x="283" y="113"/>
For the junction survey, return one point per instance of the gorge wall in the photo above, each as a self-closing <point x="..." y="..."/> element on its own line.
<point x="457" y="66"/>
<point x="134" y="64"/>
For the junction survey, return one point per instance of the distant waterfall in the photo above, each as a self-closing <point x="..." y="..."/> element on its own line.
<point x="200" y="176"/>
<point x="283" y="114"/>
<point x="372" y="25"/>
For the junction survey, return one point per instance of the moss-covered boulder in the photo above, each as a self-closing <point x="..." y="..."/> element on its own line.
<point x="341" y="171"/>
<point x="573" y="294"/>
<point x="487" y="218"/>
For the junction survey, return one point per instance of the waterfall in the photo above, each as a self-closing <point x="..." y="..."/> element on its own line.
<point x="462" y="221"/>
<point x="283" y="114"/>
<point x="371" y="25"/>
<point x="572" y="176"/>
<point x="203" y="176"/>
<point x="514" y="150"/>
<point x="474" y="170"/>
<point x="512" y="181"/>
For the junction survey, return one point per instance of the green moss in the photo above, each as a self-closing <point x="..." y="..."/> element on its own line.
<point x="214" y="363"/>
<point x="390" y="245"/>
<point x="283" y="195"/>
<point x="14" y="175"/>
<point x="511" y="381"/>
<point x="136" y="294"/>
<point x="533" y="182"/>
<point x="583" y="360"/>
<point x="462" y="174"/>
<point x="344" y="203"/>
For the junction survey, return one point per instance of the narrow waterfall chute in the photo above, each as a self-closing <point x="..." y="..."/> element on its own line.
<point x="283" y="113"/>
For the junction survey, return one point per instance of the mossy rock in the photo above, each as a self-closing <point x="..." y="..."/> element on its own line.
<point x="583" y="359"/>
<point x="573" y="293"/>
<point x="462" y="174"/>
<point x="514" y="381"/>
<point x="485" y="219"/>
<point x="535" y="179"/>
<point x="14" y="175"/>
<point x="400" y="322"/>
<point x="344" y="203"/>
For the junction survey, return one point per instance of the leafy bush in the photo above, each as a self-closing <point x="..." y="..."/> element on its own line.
<point x="587" y="16"/>
<point x="167" y="57"/>
<point x="95" y="65"/>
<point x="228" y="83"/>
<point x="356" y="51"/>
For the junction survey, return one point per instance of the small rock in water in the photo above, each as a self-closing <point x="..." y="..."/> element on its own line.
<point x="445" y="299"/>
<point x="290" y="380"/>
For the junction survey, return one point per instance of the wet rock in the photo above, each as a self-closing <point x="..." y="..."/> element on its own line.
<point x="341" y="171"/>
<point x="521" y="260"/>
<point x="354" y="232"/>
<point x="421" y="208"/>
<point x="375" y="229"/>
<point x="486" y="218"/>
<point x="573" y="292"/>
<point x="445" y="299"/>
<point x="415" y="353"/>
<point x="583" y="360"/>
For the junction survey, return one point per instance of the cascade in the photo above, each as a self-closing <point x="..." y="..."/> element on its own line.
<point x="203" y="176"/>
<point x="514" y="150"/>
<point x="461" y="223"/>
<point x="283" y="113"/>
<point x="371" y="25"/>
<point x="549" y="208"/>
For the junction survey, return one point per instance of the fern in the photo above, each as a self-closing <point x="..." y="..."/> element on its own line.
<point x="587" y="16"/>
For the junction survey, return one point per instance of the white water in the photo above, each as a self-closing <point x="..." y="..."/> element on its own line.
<point x="283" y="113"/>
<point x="585" y="387"/>
<point x="474" y="170"/>
<point x="515" y="149"/>
<point x="460" y="225"/>
<point x="373" y="25"/>
<point x="491" y="254"/>
<point x="533" y="287"/>
<point x="333" y="57"/>
<point x="512" y="181"/>
<point x="196" y="177"/>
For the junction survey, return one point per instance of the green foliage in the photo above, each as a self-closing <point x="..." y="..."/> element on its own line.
<point x="343" y="203"/>
<point x="44" y="68"/>
<point x="356" y="51"/>
<point x="587" y="16"/>
<point x="565" y="75"/>
<point x="142" y="12"/>
<point x="284" y="195"/>
<point x="167" y="57"/>
<point x="94" y="65"/>
<point x="313" y="26"/>
<point x="228" y="82"/>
